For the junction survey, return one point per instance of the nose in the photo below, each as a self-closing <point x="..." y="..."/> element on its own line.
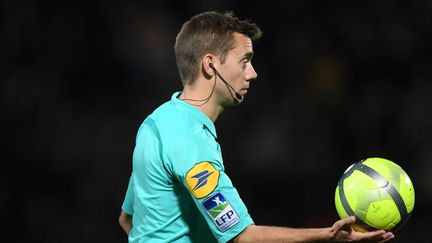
<point x="251" y="74"/>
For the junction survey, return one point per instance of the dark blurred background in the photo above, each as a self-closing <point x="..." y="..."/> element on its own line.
<point x="339" y="81"/>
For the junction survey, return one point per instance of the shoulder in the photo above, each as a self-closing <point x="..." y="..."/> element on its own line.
<point x="179" y="129"/>
<point x="175" y="125"/>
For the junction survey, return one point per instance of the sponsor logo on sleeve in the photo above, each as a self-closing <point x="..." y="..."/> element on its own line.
<point x="221" y="212"/>
<point x="202" y="179"/>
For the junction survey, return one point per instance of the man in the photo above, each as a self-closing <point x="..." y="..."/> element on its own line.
<point x="179" y="191"/>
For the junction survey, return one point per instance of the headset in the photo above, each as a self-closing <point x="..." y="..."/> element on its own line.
<point x="237" y="97"/>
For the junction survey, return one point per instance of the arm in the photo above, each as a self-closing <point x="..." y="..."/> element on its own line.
<point x="340" y="231"/>
<point x="125" y="221"/>
<point x="125" y="218"/>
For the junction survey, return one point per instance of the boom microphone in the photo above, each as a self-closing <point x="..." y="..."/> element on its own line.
<point x="237" y="95"/>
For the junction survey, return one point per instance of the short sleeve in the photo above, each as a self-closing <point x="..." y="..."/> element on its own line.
<point x="202" y="172"/>
<point x="127" y="205"/>
<point x="224" y="210"/>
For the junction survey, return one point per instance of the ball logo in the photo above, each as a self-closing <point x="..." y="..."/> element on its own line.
<point x="202" y="179"/>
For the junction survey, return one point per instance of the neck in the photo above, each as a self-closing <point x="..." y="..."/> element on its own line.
<point x="209" y="107"/>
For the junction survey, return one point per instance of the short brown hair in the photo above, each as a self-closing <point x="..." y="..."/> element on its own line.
<point x="208" y="32"/>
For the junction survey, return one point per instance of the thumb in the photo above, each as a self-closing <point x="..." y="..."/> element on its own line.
<point x="343" y="223"/>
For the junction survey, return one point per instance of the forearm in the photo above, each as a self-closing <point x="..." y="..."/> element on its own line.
<point x="125" y="221"/>
<point x="255" y="233"/>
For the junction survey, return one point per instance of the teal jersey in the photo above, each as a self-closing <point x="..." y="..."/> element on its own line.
<point x="178" y="190"/>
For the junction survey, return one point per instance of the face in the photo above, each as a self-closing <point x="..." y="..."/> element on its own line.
<point x="237" y="70"/>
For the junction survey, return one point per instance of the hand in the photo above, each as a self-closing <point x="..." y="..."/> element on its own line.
<point x="342" y="231"/>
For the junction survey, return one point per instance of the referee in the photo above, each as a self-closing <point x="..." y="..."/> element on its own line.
<point x="178" y="190"/>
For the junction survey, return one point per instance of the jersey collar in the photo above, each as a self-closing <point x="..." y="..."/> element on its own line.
<point x="197" y="113"/>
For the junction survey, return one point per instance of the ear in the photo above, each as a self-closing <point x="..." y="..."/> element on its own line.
<point x="206" y="61"/>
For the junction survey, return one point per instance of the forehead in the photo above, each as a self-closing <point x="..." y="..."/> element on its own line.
<point x="242" y="44"/>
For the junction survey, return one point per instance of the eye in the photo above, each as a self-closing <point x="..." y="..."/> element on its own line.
<point x="244" y="62"/>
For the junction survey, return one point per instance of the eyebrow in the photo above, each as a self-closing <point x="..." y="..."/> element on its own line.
<point x="248" y="56"/>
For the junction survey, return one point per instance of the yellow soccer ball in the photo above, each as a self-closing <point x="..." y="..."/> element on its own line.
<point x="378" y="192"/>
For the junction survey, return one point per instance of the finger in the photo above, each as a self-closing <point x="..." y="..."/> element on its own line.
<point x="343" y="222"/>
<point x="382" y="238"/>
<point x="377" y="235"/>
<point x="351" y="220"/>
<point x="387" y="236"/>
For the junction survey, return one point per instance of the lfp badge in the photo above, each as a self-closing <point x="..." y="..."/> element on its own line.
<point x="219" y="209"/>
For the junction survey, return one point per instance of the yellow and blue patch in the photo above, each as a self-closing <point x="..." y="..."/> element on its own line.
<point x="202" y="179"/>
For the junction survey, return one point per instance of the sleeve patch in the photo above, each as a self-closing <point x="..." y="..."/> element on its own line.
<point x="202" y="179"/>
<point x="221" y="212"/>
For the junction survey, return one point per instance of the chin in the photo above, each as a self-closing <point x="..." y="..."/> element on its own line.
<point x="234" y="102"/>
